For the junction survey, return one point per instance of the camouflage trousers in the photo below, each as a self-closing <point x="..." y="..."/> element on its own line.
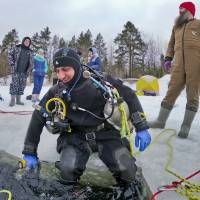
<point x="18" y="83"/>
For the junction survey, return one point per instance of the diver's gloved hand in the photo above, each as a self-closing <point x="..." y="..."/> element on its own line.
<point x="31" y="161"/>
<point x="142" y="139"/>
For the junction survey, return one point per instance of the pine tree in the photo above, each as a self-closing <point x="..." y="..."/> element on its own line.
<point x="45" y="38"/>
<point x="11" y="38"/>
<point x="73" y="43"/>
<point x="88" y="38"/>
<point x="36" y="41"/>
<point x="81" y="40"/>
<point x="84" y="42"/>
<point x="62" y="43"/>
<point x="55" y="44"/>
<point x="4" y="69"/>
<point x="100" y="46"/>
<point x="130" y="47"/>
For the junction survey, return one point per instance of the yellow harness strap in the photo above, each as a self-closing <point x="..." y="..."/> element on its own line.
<point x="125" y="129"/>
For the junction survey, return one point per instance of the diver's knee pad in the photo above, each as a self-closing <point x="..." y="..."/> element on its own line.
<point x="66" y="165"/>
<point x="126" y="164"/>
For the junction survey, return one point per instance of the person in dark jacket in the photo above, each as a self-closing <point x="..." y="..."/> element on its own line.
<point x="20" y="61"/>
<point x="84" y="129"/>
<point x="94" y="60"/>
<point x="40" y="68"/>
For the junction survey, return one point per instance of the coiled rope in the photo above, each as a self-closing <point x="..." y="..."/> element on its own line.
<point x="183" y="187"/>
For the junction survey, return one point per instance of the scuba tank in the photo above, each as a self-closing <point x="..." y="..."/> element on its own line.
<point x="112" y="112"/>
<point x="115" y="119"/>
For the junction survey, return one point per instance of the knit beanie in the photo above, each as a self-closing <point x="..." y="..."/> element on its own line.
<point x="188" y="6"/>
<point x="40" y="50"/>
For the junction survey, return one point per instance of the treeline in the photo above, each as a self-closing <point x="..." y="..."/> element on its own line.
<point x="130" y="55"/>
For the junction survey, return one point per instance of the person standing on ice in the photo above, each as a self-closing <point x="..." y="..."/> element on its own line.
<point x="94" y="60"/>
<point x="85" y="129"/>
<point x="40" y="68"/>
<point x="183" y="59"/>
<point x="20" y="61"/>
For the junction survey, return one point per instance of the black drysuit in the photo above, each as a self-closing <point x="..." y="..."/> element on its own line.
<point x="76" y="147"/>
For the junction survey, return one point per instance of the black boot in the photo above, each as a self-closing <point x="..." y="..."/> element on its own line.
<point x="131" y="191"/>
<point x="73" y="190"/>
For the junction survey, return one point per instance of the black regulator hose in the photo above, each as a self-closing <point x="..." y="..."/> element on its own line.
<point x="76" y="107"/>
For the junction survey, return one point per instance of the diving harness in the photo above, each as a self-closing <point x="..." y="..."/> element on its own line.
<point x="116" y="110"/>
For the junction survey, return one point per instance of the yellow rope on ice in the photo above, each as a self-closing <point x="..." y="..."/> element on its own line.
<point x="186" y="188"/>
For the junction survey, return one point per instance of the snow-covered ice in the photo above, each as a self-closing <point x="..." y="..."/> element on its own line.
<point x="186" y="152"/>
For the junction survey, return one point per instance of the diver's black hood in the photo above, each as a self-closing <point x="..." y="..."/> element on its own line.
<point x="68" y="57"/>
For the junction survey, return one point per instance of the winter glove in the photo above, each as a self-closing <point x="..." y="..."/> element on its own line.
<point x="167" y="65"/>
<point x="142" y="139"/>
<point x="31" y="161"/>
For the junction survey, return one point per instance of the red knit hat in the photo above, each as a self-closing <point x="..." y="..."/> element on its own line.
<point x="188" y="6"/>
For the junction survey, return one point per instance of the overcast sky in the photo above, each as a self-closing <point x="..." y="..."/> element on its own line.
<point x="69" y="17"/>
